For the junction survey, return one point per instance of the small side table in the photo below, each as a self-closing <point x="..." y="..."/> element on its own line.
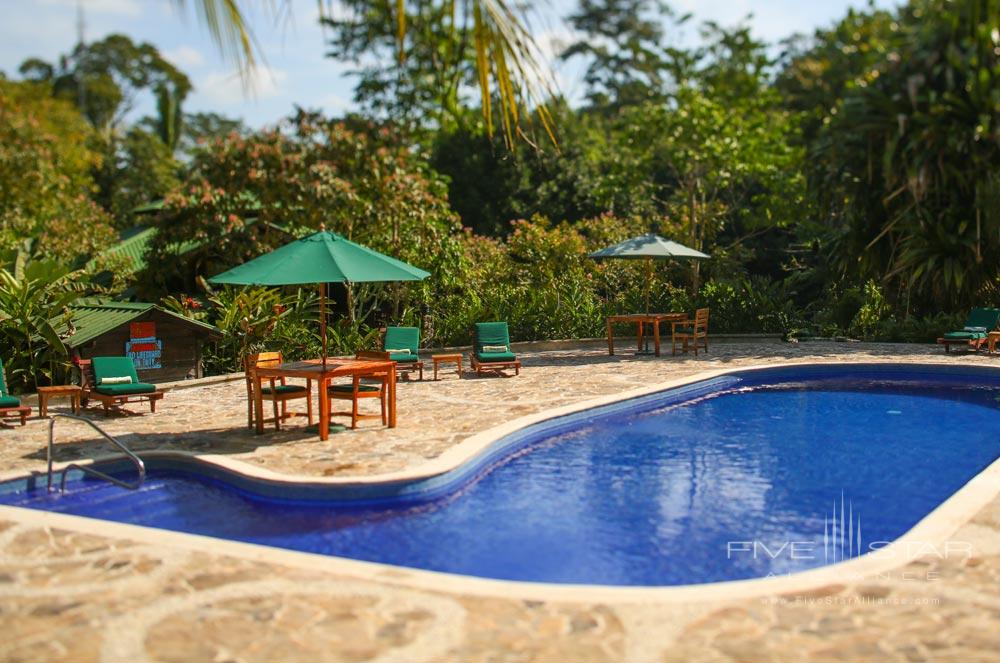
<point x="446" y="359"/>
<point x="991" y="341"/>
<point x="45" y="393"/>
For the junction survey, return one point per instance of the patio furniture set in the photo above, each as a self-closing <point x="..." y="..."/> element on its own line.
<point x="373" y="375"/>
<point x="687" y="334"/>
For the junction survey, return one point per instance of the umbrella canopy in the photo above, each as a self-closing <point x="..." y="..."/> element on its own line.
<point x="323" y="257"/>
<point x="649" y="247"/>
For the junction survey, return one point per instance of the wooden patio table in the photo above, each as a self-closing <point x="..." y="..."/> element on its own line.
<point x="641" y="320"/>
<point x="312" y="369"/>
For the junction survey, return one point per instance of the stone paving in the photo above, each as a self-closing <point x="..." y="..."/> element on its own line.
<point x="68" y="596"/>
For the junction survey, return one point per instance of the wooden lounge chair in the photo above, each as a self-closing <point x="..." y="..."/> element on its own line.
<point x="491" y="349"/>
<point x="113" y="382"/>
<point x="975" y="333"/>
<point x="10" y="406"/>
<point x="402" y="344"/>
<point x="277" y="391"/>
<point x="371" y="385"/>
<point x="694" y="332"/>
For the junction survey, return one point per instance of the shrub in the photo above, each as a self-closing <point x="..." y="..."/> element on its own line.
<point x="34" y="308"/>
<point x="873" y="315"/>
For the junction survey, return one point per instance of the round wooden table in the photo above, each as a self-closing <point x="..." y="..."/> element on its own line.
<point x="45" y="393"/>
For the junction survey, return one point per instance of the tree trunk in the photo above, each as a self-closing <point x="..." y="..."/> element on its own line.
<point x="695" y="265"/>
<point x="348" y="289"/>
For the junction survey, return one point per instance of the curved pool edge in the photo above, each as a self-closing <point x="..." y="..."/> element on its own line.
<point x="476" y="445"/>
<point x="934" y="529"/>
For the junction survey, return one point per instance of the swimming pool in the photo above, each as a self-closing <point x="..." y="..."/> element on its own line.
<point x="747" y="475"/>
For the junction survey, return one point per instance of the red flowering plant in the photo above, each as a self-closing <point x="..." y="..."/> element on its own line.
<point x="185" y="305"/>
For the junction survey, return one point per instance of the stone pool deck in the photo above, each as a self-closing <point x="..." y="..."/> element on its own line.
<point x="66" y="595"/>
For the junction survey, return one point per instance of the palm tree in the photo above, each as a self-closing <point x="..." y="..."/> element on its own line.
<point x="508" y="61"/>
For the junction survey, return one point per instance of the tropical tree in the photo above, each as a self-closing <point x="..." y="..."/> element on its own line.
<point x="104" y="79"/>
<point x="46" y="181"/>
<point x="509" y="71"/>
<point x="622" y="40"/>
<point x="715" y="165"/>
<point x="909" y="157"/>
<point x="435" y="61"/>
<point x="137" y="167"/>
<point x="246" y="195"/>
<point x="199" y="128"/>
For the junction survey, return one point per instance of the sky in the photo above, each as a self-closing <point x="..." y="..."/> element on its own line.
<point x="297" y="71"/>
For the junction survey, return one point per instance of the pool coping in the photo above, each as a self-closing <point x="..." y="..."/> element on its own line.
<point x="927" y="535"/>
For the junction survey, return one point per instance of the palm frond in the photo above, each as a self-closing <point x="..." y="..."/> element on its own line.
<point x="228" y="27"/>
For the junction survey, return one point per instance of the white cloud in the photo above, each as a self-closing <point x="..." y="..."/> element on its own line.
<point x="184" y="56"/>
<point x="228" y="89"/>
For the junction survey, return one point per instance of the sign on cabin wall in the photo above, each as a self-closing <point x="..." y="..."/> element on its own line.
<point x="144" y="348"/>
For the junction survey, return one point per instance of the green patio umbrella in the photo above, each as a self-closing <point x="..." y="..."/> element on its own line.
<point x="323" y="257"/>
<point x="649" y="247"/>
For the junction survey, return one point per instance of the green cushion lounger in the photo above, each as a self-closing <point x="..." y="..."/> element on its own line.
<point x="975" y="333"/>
<point x="402" y="344"/>
<point x="10" y="406"/>
<point x="487" y="340"/>
<point x="113" y="382"/>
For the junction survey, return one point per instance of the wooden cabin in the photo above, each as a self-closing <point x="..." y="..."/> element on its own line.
<point x="164" y="346"/>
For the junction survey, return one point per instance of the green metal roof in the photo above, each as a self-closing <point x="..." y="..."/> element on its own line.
<point x="135" y="244"/>
<point x="93" y="318"/>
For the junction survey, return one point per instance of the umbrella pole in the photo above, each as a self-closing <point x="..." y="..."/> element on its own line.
<point x="322" y="319"/>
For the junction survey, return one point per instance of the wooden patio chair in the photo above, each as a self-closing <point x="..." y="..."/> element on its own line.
<point x="693" y="331"/>
<point x="402" y="344"/>
<point x="370" y="385"/>
<point x="278" y="391"/>
<point x="491" y="349"/>
<point x="975" y="334"/>
<point x="10" y="406"/>
<point x="113" y="382"/>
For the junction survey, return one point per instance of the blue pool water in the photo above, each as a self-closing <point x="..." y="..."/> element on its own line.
<point x="714" y="482"/>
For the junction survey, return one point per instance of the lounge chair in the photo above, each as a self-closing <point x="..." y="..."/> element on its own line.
<point x="112" y="381"/>
<point x="491" y="349"/>
<point x="10" y="406"/>
<point x="402" y="344"/>
<point x="693" y="331"/>
<point x="975" y="333"/>
<point x="373" y="385"/>
<point x="277" y="391"/>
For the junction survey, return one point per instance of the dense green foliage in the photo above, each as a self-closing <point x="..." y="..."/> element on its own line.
<point x="34" y="305"/>
<point x="849" y="188"/>
<point x="46" y="176"/>
<point x="904" y="142"/>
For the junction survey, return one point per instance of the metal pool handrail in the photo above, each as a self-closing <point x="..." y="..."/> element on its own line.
<point x="139" y="465"/>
